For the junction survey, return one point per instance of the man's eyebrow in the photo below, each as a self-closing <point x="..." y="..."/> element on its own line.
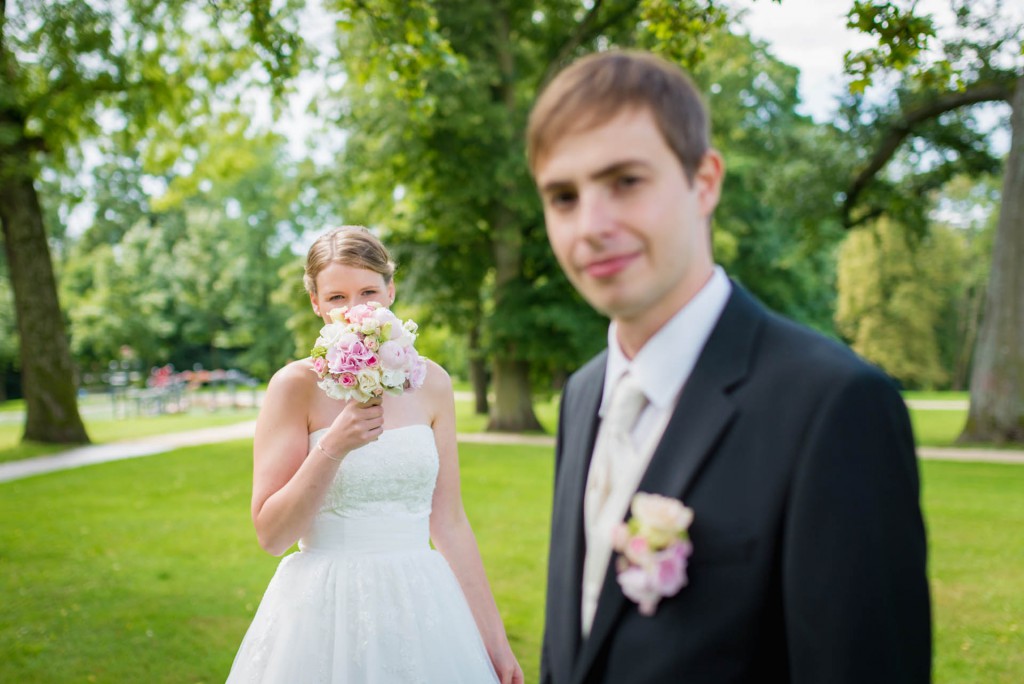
<point x="602" y="173"/>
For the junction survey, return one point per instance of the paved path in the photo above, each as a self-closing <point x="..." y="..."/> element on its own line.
<point x="938" y="404"/>
<point x="114" y="451"/>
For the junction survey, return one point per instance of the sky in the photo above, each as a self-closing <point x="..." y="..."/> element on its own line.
<point x="812" y="36"/>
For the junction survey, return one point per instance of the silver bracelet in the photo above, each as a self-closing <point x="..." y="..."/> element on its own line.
<point x="324" y="452"/>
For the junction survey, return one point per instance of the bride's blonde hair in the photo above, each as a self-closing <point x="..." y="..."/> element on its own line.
<point x="351" y="246"/>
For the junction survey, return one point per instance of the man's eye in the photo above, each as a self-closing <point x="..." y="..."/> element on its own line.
<point x="627" y="181"/>
<point x="562" y="199"/>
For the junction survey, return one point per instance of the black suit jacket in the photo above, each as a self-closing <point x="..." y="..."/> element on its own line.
<point x="809" y="551"/>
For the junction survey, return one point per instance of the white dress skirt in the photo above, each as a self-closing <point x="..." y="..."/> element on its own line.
<point x="366" y="600"/>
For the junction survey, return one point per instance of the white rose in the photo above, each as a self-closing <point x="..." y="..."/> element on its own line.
<point x="392" y="378"/>
<point x="370" y="326"/>
<point x="659" y="518"/>
<point x="369" y="381"/>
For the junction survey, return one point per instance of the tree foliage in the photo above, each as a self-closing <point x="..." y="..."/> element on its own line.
<point x="930" y="124"/>
<point x="151" y="73"/>
<point x="435" y="159"/>
<point x="894" y="292"/>
<point x="193" y="279"/>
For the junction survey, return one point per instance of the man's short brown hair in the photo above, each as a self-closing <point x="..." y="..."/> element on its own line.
<point x="596" y="88"/>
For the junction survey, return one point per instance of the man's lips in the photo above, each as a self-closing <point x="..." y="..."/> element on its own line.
<point x="606" y="268"/>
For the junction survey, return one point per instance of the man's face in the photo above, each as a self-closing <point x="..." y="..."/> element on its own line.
<point x="629" y="230"/>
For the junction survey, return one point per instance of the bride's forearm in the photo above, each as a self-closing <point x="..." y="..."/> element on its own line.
<point x="286" y="514"/>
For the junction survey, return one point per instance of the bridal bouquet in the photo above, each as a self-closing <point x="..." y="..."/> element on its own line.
<point x="366" y="351"/>
<point x="654" y="547"/>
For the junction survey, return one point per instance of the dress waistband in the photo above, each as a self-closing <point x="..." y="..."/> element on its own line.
<point x="356" y="536"/>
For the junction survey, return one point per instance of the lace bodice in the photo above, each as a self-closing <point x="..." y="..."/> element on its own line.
<point x="393" y="476"/>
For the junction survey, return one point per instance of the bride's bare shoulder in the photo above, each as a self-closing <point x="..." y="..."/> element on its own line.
<point x="296" y="376"/>
<point x="437" y="384"/>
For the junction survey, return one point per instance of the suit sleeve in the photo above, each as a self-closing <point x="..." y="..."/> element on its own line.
<point x="855" y="590"/>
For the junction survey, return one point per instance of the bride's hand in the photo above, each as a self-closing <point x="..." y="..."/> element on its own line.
<point x="356" y="425"/>
<point x="506" y="666"/>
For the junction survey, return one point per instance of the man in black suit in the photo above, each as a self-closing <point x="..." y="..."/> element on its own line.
<point x="795" y="457"/>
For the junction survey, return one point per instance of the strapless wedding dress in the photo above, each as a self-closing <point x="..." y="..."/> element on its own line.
<point x="366" y="600"/>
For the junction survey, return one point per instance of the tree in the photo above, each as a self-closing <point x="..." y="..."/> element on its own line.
<point x="775" y="228"/>
<point x="436" y="98"/>
<point x="191" y="280"/>
<point x="894" y="289"/>
<point x="967" y="207"/>
<point x="982" y="64"/>
<point x="147" y="69"/>
<point x="8" y="337"/>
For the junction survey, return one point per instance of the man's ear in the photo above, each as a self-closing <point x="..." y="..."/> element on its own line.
<point x="708" y="181"/>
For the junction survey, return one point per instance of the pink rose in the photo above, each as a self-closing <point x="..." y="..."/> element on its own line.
<point x="637" y="586"/>
<point x="320" y="365"/>
<point x="394" y="356"/>
<point x="638" y="551"/>
<point x="357" y="313"/>
<point x="670" y="569"/>
<point x="348" y="380"/>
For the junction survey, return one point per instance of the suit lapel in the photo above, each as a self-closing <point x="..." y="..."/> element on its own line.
<point x="577" y="432"/>
<point x="702" y="415"/>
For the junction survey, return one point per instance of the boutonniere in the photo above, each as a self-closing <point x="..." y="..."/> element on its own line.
<point x="654" y="547"/>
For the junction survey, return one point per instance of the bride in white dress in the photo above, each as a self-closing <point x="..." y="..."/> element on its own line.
<point x="364" y="489"/>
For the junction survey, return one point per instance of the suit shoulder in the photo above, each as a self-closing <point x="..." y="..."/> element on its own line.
<point x="591" y="371"/>
<point x="804" y="360"/>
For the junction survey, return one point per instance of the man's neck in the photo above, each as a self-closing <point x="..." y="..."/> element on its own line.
<point x="633" y="332"/>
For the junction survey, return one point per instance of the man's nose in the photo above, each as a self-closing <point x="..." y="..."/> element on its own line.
<point x="596" y="215"/>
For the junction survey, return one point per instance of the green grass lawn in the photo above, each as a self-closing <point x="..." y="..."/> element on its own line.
<point x="975" y="513"/>
<point x="147" y="570"/>
<point x="944" y="395"/>
<point x="937" y="427"/>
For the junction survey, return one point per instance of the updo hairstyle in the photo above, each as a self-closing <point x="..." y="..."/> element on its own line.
<point x="353" y="246"/>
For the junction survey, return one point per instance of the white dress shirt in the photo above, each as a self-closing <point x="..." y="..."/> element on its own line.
<point x="662" y="367"/>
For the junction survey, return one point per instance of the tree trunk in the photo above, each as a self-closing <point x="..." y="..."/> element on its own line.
<point x="48" y="378"/>
<point x="970" y="317"/>
<point x="478" y="371"/>
<point x="997" y="380"/>
<point x="513" y="399"/>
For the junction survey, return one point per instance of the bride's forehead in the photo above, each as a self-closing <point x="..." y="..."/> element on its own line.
<point x="342" y="276"/>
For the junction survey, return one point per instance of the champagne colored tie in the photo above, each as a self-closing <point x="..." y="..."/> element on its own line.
<point x="613" y="445"/>
<point x="614" y="441"/>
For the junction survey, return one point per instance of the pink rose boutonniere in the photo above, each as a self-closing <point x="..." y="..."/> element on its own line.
<point x="654" y="547"/>
<point x="366" y="351"/>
